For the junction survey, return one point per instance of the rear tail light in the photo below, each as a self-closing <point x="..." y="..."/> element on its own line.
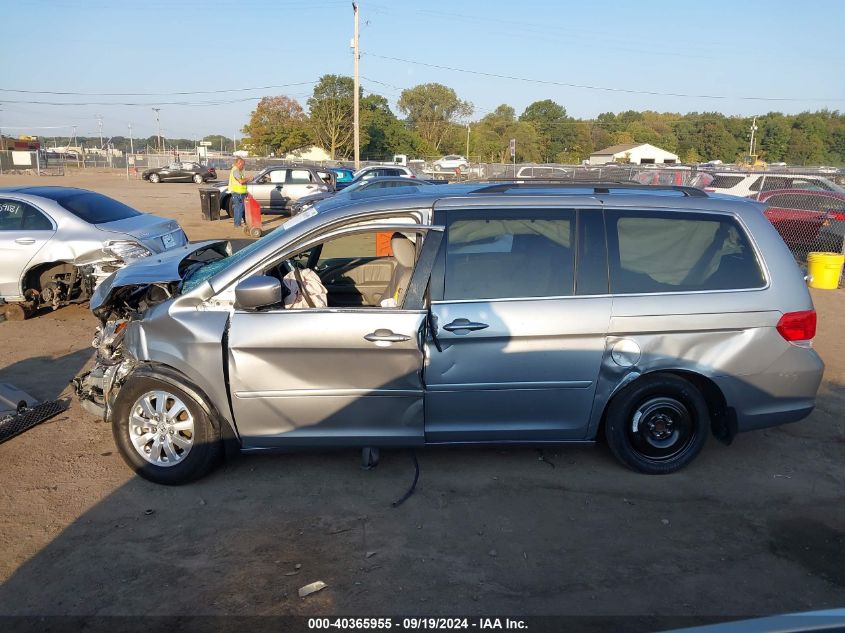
<point x="709" y="190"/>
<point x="837" y="215"/>
<point x="797" y="326"/>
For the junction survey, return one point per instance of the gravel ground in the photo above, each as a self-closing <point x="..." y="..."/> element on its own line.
<point x="754" y="528"/>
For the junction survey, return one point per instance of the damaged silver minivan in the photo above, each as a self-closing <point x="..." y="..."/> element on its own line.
<point x="502" y="313"/>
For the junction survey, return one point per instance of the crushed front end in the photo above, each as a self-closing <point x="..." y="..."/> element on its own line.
<point x="97" y="387"/>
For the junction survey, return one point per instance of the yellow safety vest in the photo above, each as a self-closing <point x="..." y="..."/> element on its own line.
<point x="234" y="185"/>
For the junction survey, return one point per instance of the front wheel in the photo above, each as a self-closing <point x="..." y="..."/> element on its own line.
<point x="198" y="179"/>
<point x="154" y="178"/>
<point x="658" y="424"/>
<point x="163" y="433"/>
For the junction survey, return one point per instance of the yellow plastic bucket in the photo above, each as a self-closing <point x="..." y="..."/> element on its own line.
<point x="824" y="270"/>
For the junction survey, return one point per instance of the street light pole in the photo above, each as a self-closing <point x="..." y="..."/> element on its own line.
<point x="751" y="144"/>
<point x="131" y="144"/>
<point x="357" y="89"/>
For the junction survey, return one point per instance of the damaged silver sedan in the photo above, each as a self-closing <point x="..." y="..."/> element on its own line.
<point x="503" y="313"/>
<point x="58" y="243"/>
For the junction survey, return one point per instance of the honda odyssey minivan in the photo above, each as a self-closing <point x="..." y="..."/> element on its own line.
<point x="502" y="313"/>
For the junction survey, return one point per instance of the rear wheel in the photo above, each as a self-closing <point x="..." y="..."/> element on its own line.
<point x="658" y="424"/>
<point x="198" y="179"/>
<point x="154" y="178"/>
<point x="163" y="433"/>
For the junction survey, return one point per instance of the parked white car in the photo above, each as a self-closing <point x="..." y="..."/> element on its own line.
<point x="58" y="243"/>
<point x="451" y="163"/>
<point x="382" y="171"/>
<point x="743" y="185"/>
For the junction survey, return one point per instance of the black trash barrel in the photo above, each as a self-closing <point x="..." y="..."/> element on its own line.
<point x="210" y="203"/>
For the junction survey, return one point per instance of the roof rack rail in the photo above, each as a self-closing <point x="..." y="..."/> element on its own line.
<point x="598" y="188"/>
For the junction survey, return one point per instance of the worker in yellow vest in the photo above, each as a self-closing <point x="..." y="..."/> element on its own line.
<point x="237" y="187"/>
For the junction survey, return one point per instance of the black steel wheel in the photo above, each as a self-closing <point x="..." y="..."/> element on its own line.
<point x="658" y="424"/>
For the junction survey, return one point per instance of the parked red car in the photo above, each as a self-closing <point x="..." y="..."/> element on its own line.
<point x="806" y="219"/>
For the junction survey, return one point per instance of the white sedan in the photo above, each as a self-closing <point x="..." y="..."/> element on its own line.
<point x="451" y="163"/>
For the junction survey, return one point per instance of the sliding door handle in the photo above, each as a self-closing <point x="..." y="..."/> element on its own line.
<point x="464" y="324"/>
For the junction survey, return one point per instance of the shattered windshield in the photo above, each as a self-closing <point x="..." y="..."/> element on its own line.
<point x="199" y="275"/>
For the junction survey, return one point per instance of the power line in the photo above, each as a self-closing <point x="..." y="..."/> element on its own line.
<point x="135" y="103"/>
<point x="549" y="82"/>
<point x="152" y="94"/>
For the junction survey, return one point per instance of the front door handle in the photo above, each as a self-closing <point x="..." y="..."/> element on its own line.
<point x="464" y="324"/>
<point x="385" y="336"/>
<point x="25" y="240"/>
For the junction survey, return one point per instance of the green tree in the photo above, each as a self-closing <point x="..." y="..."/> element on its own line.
<point x="332" y="116"/>
<point x="382" y="134"/>
<point x="278" y="124"/>
<point x="493" y="133"/>
<point x="775" y="130"/>
<point x="555" y="130"/>
<point x="431" y="109"/>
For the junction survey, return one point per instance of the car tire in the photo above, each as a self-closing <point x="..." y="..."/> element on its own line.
<point x="658" y="424"/>
<point x="155" y="178"/>
<point x="198" y="179"/>
<point x="190" y="431"/>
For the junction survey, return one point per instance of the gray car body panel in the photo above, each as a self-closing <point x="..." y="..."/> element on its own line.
<point x="560" y="359"/>
<point x="72" y="241"/>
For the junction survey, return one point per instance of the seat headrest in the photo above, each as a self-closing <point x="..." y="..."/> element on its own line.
<point x="403" y="250"/>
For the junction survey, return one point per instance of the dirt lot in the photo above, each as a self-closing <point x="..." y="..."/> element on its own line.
<point x="755" y="528"/>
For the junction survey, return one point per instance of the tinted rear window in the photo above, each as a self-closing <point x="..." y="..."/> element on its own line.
<point x="725" y="182"/>
<point x="679" y="252"/>
<point x="95" y="208"/>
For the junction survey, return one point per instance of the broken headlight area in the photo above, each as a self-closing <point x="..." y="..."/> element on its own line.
<point x="130" y="302"/>
<point x="97" y="388"/>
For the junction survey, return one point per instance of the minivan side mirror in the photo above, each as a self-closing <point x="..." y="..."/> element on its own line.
<point x="256" y="292"/>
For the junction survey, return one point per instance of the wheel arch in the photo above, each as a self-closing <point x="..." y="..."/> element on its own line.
<point x="172" y="376"/>
<point x="36" y="273"/>
<point x="723" y="424"/>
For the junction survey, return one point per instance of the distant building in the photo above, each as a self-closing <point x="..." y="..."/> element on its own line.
<point x="311" y="152"/>
<point x="634" y="153"/>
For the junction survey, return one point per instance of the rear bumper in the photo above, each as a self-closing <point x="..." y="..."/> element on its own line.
<point x="784" y="392"/>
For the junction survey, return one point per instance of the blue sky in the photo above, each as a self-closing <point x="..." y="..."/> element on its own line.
<point x="774" y="49"/>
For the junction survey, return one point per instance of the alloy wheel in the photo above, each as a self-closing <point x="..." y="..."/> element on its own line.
<point x="161" y="428"/>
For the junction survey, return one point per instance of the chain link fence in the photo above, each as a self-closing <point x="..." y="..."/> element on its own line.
<point x="805" y="205"/>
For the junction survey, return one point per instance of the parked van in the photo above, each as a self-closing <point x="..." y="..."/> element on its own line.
<point x="740" y="184"/>
<point x="505" y="313"/>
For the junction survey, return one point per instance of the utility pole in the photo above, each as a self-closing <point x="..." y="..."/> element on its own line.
<point x="751" y="144"/>
<point x="357" y="89"/>
<point x="131" y="145"/>
<point x="158" y="128"/>
<point x="100" y="124"/>
<point x="467" y="154"/>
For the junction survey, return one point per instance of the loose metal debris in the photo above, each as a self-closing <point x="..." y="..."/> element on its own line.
<point x="313" y="587"/>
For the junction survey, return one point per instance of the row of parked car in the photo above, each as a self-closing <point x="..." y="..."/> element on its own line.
<point x="290" y="188"/>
